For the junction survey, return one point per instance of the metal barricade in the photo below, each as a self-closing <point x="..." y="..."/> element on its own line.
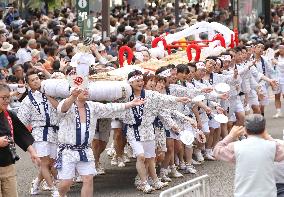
<point x="198" y="187"/>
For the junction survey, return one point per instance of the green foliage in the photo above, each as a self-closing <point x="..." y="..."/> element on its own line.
<point x="52" y="4"/>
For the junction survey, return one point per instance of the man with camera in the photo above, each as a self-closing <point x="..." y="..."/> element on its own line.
<point x="12" y="131"/>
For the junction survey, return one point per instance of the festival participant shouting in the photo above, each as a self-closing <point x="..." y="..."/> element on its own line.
<point x="39" y="111"/>
<point x="12" y="131"/>
<point x="77" y="125"/>
<point x="139" y="128"/>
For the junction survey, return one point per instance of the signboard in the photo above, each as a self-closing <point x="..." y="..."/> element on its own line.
<point x="82" y="7"/>
<point x="88" y="26"/>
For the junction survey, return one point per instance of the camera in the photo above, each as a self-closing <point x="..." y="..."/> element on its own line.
<point x="12" y="149"/>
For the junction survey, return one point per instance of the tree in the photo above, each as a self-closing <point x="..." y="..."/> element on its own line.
<point x="49" y="4"/>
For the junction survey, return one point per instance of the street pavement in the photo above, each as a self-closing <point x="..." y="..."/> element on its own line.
<point x="118" y="182"/>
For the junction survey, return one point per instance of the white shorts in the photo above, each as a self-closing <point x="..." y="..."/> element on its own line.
<point x="253" y="98"/>
<point x="172" y="135"/>
<point x="44" y="149"/>
<point x="147" y="148"/>
<point x="265" y="100"/>
<point x="205" y="127"/>
<point x="214" y="124"/>
<point x="236" y="105"/>
<point x="232" y="118"/>
<point x="103" y="130"/>
<point x="116" y="124"/>
<point x="83" y="168"/>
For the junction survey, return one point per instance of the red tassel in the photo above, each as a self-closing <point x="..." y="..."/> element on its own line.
<point x="157" y="40"/>
<point x="236" y="36"/>
<point x="221" y="39"/>
<point x="121" y="52"/>
<point x="232" y="45"/>
<point x="197" y="50"/>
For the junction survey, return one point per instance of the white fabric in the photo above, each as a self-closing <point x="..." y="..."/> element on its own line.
<point x="44" y="149"/>
<point x="255" y="159"/>
<point x="68" y="169"/>
<point x="67" y="126"/>
<point x="147" y="148"/>
<point x="23" y="55"/>
<point x="116" y="124"/>
<point x="29" y="115"/>
<point x="103" y="130"/>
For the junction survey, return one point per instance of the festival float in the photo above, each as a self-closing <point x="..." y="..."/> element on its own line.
<point x="112" y="85"/>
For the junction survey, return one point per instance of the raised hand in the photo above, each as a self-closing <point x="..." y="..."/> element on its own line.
<point x="75" y="92"/>
<point x="237" y="131"/>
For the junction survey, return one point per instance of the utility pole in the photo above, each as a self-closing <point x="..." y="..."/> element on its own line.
<point x="267" y="14"/>
<point x="236" y="14"/>
<point x="177" y="12"/>
<point x="105" y="17"/>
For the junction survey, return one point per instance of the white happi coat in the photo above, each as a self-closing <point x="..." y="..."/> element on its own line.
<point x="29" y="115"/>
<point x="154" y="105"/>
<point x="67" y="126"/>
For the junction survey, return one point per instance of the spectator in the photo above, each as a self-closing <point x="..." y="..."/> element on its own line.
<point x="254" y="157"/>
<point x="11" y="129"/>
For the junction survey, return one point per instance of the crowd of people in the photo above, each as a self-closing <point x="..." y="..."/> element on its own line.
<point x="66" y="137"/>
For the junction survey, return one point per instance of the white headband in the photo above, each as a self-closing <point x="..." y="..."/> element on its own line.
<point x="200" y="65"/>
<point x="165" y="73"/>
<point x="134" y="78"/>
<point x="218" y="61"/>
<point x="226" y="58"/>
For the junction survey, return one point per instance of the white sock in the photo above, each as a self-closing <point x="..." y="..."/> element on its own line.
<point x="278" y="110"/>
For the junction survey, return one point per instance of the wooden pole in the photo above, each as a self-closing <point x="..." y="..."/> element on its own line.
<point x="177" y="12"/>
<point x="105" y="18"/>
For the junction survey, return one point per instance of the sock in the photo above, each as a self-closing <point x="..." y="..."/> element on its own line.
<point x="262" y="113"/>
<point x="278" y="110"/>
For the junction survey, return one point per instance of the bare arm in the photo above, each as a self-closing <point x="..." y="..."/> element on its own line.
<point x="53" y="101"/>
<point x="68" y="103"/>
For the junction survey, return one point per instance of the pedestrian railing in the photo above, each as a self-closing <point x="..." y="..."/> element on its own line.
<point x="198" y="187"/>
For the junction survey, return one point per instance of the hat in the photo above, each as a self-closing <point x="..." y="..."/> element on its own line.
<point x="73" y="38"/>
<point x="155" y="28"/>
<point x="88" y="41"/>
<point x="128" y="28"/>
<point x="6" y="46"/>
<point x="68" y="29"/>
<point x="96" y="38"/>
<point x="142" y="27"/>
<point x="35" y="53"/>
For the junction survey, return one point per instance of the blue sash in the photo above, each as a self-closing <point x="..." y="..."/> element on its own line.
<point x="61" y="147"/>
<point x="45" y="107"/>
<point x="137" y="116"/>
<point x="82" y="153"/>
